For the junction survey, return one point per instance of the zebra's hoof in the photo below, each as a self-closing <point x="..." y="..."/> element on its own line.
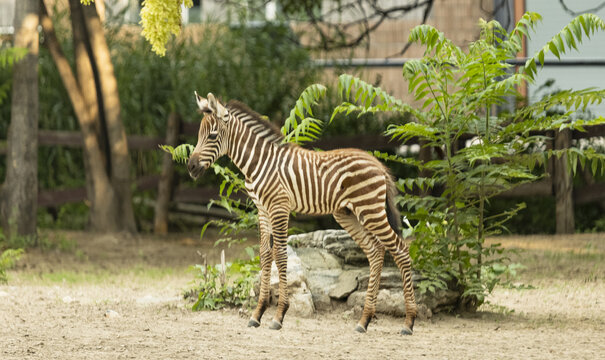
<point x="253" y="323"/>
<point x="275" y="325"/>
<point x="406" y="331"/>
<point x="360" y="329"/>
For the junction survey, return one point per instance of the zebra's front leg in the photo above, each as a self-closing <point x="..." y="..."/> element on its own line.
<point x="279" y="227"/>
<point x="266" y="259"/>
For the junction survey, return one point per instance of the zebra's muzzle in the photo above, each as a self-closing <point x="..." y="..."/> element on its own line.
<point x="195" y="167"/>
<point x="196" y="173"/>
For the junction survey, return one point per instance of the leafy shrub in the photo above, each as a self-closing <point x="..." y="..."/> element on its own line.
<point x="8" y="258"/>
<point x="219" y="287"/>
<point x="459" y="90"/>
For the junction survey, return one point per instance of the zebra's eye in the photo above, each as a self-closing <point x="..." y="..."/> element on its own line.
<point x="212" y="136"/>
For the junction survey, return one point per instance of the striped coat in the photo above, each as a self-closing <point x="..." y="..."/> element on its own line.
<point x="280" y="178"/>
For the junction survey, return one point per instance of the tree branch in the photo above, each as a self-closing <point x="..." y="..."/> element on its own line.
<point x="363" y="18"/>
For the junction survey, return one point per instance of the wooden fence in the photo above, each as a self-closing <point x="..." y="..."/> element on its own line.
<point x="559" y="184"/>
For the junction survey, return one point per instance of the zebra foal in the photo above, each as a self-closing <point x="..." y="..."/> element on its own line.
<point x="350" y="184"/>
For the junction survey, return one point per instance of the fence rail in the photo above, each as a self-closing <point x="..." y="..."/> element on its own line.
<point x="399" y="62"/>
<point x="558" y="184"/>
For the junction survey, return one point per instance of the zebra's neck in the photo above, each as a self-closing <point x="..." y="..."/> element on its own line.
<point x="250" y="144"/>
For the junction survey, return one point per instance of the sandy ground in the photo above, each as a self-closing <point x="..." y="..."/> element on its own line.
<point x="115" y="297"/>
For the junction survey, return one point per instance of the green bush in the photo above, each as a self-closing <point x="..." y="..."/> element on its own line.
<point x="232" y="286"/>
<point x="8" y="258"/>
<point x="459" y="90"/>
<point x="11" y="249"/>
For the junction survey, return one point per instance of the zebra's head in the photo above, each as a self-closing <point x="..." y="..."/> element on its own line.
<point x="212" y="137"/>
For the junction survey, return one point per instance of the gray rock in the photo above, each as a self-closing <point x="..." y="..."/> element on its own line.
<point x="295" y="272"/>
<point x="349" y="251"/>
<point x="308" y="240"/>
<point x="321" y="283"/>
<point x="389" y="279"/>
<point x="313" y="258"/>
<point x="322" y="301"/>
<point x="301" y="304"/>
<point x="300" y="299"/>
<point x="345" y="285"/>
<point x="423" y="312"/>
<point x="440" y="300"/>
<point x="388" y="301"/>
<point x="335" y="236"/>
<point x="327" y="266"/>
<point x="391" y="301"/>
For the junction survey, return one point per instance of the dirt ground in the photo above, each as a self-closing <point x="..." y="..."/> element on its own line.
<point x="112" y="297"/>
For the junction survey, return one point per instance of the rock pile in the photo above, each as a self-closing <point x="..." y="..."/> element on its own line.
<point x="327" y="268"/>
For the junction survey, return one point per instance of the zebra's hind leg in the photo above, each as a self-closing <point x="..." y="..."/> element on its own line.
<point x="374" y="250"/>
<point x="380" y="227"/>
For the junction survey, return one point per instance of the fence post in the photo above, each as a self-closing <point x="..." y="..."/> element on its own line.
<point x="563" y="186"/>
<point x="160" y="223"/>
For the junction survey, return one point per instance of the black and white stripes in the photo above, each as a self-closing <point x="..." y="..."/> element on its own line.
<point x="281" y="178"/>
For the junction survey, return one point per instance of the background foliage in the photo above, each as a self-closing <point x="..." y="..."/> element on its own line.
<point x="257" y="65"/>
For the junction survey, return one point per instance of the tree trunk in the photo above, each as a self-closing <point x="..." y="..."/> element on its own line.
<point x="20" y="191"/>
<point x="87" y="87"/>
<point x="165" y="186"/>
<point x="118" y="145"/>
<point x="100" y="6"/>
<point x="104" y="212"/>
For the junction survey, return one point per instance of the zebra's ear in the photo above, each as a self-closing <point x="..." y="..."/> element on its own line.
<point x="202" y="104"/>
<point x="217" y="108"/>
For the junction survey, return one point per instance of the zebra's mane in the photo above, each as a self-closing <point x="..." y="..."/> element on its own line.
<point x="253" y="118"/>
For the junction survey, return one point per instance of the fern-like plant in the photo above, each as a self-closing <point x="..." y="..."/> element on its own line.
<point x="298" y="127"/>
<point x="459" y="91"/>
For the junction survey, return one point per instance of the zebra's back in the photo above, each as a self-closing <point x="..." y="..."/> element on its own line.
<point x="332" y="181"/>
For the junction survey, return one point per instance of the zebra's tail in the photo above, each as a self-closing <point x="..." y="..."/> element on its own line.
<point x="393" y="215"/>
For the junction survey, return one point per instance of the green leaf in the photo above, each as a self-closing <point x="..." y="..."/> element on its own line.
<point x="572" y="33"/>
<point x="553" y="48"/>
<point x="299" y="128"/>
<point x="204" y="229"/>
<point x="541" y="58"/>
<point x="180" y="154"/>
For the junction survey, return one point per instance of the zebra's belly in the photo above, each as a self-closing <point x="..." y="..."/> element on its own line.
<point x="313" y="208"/>
<point x="301" y="210"/>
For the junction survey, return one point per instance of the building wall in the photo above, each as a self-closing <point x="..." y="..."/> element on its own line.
<point x="457" y="19"/>
<point x="579" y="77"/>
<point x="7" y="13"/>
